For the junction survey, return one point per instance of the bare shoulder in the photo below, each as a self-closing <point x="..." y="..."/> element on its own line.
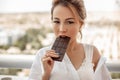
<point x="96" y="56"/>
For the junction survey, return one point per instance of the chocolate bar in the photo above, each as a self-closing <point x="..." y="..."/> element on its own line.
<point x="60" y="46"/>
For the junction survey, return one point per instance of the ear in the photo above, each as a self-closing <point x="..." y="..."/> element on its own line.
<point x="81" y="24"/>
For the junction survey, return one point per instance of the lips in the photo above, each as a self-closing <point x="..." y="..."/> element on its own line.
<point x="63" y="36"/>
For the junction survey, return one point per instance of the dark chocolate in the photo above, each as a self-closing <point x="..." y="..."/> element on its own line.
<point x="60" y="46"/>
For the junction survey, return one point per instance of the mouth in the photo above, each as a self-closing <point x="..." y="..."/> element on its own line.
<point x="64" y="36"/>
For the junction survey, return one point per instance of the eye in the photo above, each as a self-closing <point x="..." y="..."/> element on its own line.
<point x="70" y="22"/>
<point x="56" y="22"/>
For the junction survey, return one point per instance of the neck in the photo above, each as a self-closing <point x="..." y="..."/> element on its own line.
<point x="72" y="46"/>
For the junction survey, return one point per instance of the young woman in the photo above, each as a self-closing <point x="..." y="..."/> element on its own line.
<point x="81" y="61"/>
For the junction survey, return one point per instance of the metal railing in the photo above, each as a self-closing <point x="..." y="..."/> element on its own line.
<point x="25" y="61"/>
<point x="16" y="61"/>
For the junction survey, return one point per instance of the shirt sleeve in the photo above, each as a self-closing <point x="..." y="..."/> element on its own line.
<point x="102" y="72"/>
<point x="105" y="73"/>
<point x="36" y="68"/>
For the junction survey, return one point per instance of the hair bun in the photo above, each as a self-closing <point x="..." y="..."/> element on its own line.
<point x="54" y="1"/>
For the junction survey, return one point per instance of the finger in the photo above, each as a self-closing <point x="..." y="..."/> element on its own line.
<point x="52" y="54"/>
<point x="47" y="60"/>
<point x="48" y="51"/>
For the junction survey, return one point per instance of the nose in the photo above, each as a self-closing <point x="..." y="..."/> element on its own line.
<point x="62" y="28"/>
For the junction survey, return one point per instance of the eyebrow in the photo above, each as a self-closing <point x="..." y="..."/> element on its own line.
<point x="65" y="19"/>
<point x="56" y="18"/>
<point x="70" y="18"/>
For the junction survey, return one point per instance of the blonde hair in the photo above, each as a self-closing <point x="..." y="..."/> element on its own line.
<point x="77" y="6"/>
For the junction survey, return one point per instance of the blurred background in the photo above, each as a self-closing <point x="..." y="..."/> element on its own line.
<point x="25" y="27"/>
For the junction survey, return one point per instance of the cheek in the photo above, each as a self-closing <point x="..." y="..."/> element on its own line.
<point x="55" y="29"/>
<point x="73" y="32"/>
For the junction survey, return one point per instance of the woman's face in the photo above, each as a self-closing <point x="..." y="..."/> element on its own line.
<point x="65" y="23"/>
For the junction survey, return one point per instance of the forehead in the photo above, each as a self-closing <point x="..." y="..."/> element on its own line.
<point x="63" y="12"/>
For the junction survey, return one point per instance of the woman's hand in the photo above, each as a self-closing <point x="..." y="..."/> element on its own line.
<point x="48" y="62"/>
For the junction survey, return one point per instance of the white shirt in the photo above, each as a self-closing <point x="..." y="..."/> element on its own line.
<point x="65" y="70"/>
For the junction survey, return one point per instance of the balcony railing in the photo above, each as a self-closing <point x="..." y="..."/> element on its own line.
<point x="25" y="61"/>
<point x="16" y="61"/>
